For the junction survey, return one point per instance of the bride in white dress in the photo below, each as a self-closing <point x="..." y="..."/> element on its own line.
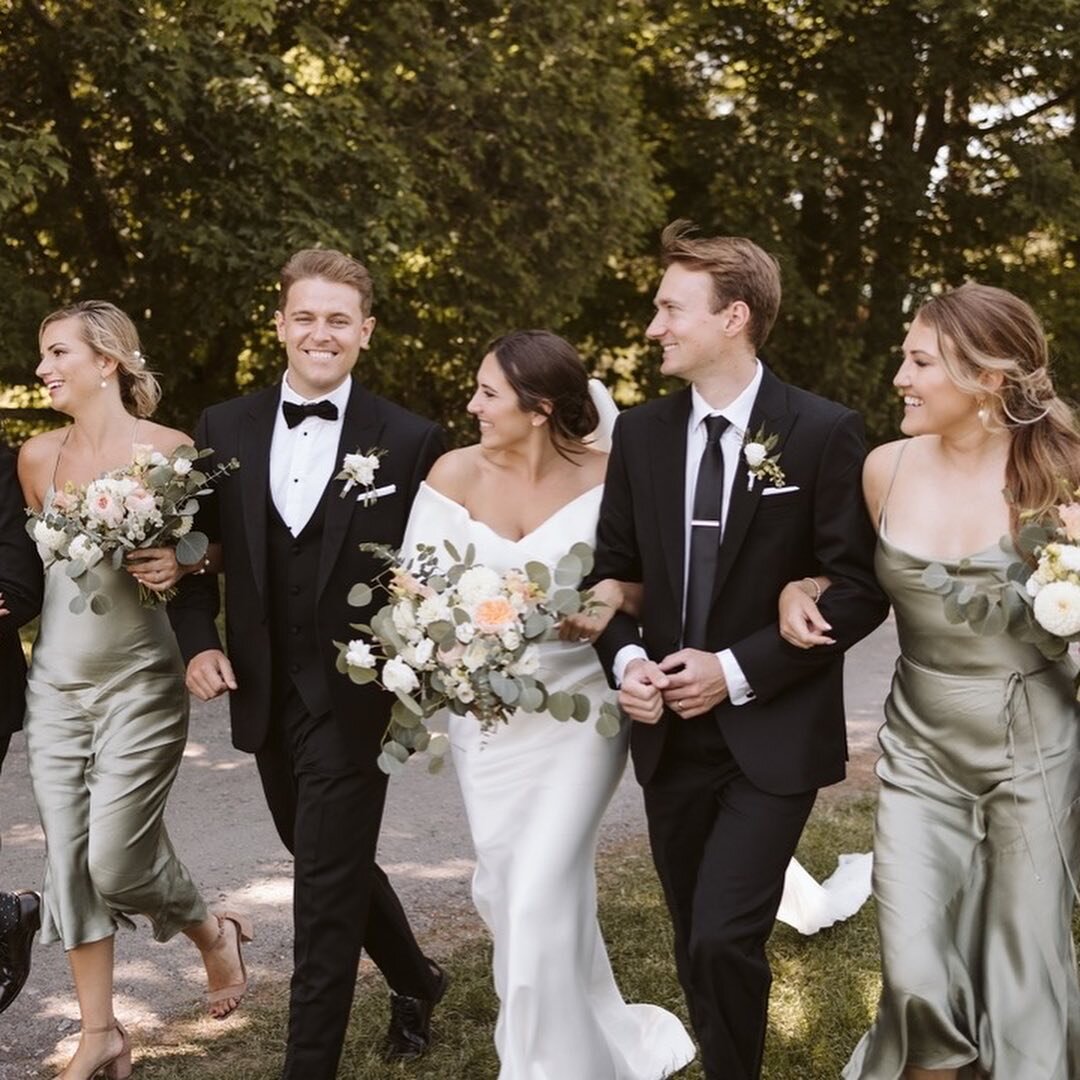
<point x="535" y="790"/>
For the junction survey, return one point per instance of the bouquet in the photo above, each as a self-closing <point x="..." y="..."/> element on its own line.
<point x="1039" y="601"/>
<point x="465" y="637"/>
<point x="150" y="503"/>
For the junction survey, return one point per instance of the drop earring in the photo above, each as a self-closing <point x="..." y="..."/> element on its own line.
<point x="984" y="412"/>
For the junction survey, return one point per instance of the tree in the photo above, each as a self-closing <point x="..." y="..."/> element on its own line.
<point x="483" y="158"/>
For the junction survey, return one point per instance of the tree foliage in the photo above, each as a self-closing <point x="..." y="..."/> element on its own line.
<point x="508" y="162"/>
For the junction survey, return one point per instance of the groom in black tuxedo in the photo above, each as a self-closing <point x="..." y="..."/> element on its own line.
<point x="20" y="599"/>
<point x="290" y="533"/>
<point x="734" y="730"/>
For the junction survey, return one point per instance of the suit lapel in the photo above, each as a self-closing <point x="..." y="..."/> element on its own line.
<point x="360" y="431"/>
<point x="771" y="412"/>
<point x="254" y="475"/>
<point x="668" y="454"/>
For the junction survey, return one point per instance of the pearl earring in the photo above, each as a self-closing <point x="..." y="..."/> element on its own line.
<point x="104" y="383"/>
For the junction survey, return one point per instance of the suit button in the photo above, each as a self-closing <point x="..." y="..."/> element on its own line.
<point x="296" y="549"/>
<point x="294" y="668"/>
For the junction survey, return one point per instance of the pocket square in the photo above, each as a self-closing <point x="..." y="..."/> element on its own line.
<point x="779" y="491"/>
<point x="368" y="497"/>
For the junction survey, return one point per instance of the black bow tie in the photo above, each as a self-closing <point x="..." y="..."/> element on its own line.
<point x="295" y="414"/>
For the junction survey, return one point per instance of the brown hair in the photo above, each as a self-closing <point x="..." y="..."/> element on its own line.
<point x="740" y="271"/>
<point x="982" y="329"/>
<point x="110" y="333"/>
<point x="331" y="265"/>
<point x="547" y="375"/>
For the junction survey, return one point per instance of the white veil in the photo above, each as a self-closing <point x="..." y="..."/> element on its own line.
<point x="609" y="413"/>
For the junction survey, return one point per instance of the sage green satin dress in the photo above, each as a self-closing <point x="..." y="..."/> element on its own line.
<point x="106" y="724"/>
<point x="977" y="834"/>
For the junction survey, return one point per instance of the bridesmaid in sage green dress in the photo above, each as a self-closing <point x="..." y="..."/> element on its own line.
<point x="977" y="837"/>
<point x="107" y="714"/>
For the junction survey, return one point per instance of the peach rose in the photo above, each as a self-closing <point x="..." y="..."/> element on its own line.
<point x="494" y="616"/>
<point x="1070" y="519"/>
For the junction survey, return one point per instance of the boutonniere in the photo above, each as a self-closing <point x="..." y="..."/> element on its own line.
<point x="359" y="470"/>
<point x="759" y="464"/>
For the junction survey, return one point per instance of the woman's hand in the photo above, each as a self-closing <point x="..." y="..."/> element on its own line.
<point x="801" y="622"/>
<point x="156" y="568"/>
<point x="608" y="597"/>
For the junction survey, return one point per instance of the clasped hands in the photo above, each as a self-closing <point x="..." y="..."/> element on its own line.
<point x="690" y="681"/>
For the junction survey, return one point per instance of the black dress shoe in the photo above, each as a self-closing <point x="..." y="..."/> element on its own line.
<point x="22" y="918"/>
<point x="409" y="1033"/>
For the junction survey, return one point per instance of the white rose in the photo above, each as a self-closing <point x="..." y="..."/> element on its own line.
<point x="48" y="537"/>
<point x="404" y="618"/>
<point x="475" y="656"/>
<point x="754" y="453"/>
<point x="82" y="547"/>
<point x="528" y="663"/>
<point x="182" y="466"/>
<point x="1033" y="585"/>
<point x="476" y="584"/>
<point x="465" y="632"/>
<point x="359" y="655"/>
<point x="463" y="691"/>
<point x="1069" y="557"/>
<point x="418" y="655"/>
<point x="510" y="639"/>
<point x="1057" y="608"/>
<point x="432" y="609"/>
<point x="398" y="677"/>
<point x="361" y="467"/>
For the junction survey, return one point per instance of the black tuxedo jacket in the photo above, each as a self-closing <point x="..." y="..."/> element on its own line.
<point x="791" y="737"/>
<point x="236" y="516"/>
<point x="20" y="585"/>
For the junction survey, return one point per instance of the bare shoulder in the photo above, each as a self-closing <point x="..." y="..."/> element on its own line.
<point x="37" y="457"/>
<point x="456" y="472"/>
<point x="161" y="438"/>
<point x="880" y="468"/>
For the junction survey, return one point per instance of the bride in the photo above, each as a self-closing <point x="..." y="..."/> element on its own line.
<point x="535" y="790"/>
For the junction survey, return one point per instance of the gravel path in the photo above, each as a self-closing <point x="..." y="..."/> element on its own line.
<point x="222" y="830"/>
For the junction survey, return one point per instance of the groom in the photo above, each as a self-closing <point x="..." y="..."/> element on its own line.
<point x="734" y="730"/>
<point x="20" y="601"/>
<point x="290" y="533"/>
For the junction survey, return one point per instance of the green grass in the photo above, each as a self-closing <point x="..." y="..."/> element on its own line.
<point x="824" y="992"/>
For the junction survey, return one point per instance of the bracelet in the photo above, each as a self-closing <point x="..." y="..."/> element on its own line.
<point x="206" y="563"/>
<point x="817" y="588"/>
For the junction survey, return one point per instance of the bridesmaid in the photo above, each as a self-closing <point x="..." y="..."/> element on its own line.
<point x="977" y="835"/>
<point x="106" y="717"/>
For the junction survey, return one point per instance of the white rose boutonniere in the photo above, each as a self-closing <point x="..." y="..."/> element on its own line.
<point x="358" y="470"/>
<point x="761" y="463"/>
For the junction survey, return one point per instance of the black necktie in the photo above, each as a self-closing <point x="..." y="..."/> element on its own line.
<point x="705" y="532"/>
<point x="295" y="414"/>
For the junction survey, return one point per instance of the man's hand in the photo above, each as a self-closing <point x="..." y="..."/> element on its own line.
<point x="695" y="682"/>
<point x="640" y="694"/>
<point x="209" y="674"/>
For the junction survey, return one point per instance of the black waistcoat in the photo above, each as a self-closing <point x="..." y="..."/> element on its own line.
<point x="292" y="566"/>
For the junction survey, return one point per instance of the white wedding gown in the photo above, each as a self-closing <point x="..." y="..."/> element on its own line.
<point x="535" y="791"/>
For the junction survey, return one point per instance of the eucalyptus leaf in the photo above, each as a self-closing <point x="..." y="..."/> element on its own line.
<point x="192" y="548"/>
<point x="396" y="750"/>
<point x="452" y="551"/>
<point x="584" y="553"/>
<point x="410" y="703"/>
<point x="954" y="613"/>
<point x="566" y="601"/>
<point x="582" y="708"/>
<point x="390" y="764"/>
<point x="506" y="689"/>
<point x="569" y="570"/>
<point x="435" y="763"/>
<point x="536" y="625"/>
<point x="75" y="568"/>
<point x="539" y="575"/>
<point x="100" y="604"/>
<point x="438" y="745"/>
<point x="1019" y="572"/>
<point x="609" y="723"/>
<point x="360" y="595"/>
<point x="936" y="577"/>
<point x="532" y="699"/>
<point x="560" y="705"/>
<point x="470" y="555"/>
<point x="360" y="676"/>
<point x="995" y="622"/>
<point x="78" y="604"/>
<point x="966" y="593"/>
<point x="976" y="609"/>
<point x="117" y="558"/>
<point x="441" y="632"/>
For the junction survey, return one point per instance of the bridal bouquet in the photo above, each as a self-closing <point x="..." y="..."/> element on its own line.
<point x="464" y="637"/>
<point x="150" y="503"/>
<point x="1039" y="601"/>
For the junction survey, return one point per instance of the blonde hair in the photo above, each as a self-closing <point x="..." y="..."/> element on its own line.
<point x="110" y="333"/>
<point x="330" y="265"/>
<point x="740" y="270"/>
<point x="983" y="329"/>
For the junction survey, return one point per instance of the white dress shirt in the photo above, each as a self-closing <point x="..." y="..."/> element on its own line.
<point x="737" y="413"/>
<point x="304" y="458"/>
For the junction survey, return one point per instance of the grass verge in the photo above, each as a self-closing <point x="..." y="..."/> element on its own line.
<point x="824" y="991"/>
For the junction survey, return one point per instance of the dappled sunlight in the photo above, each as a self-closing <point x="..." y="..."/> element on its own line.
<point x="194" y="749"/>
<point x="25" y="835"/>
<point x="449" y="869"/>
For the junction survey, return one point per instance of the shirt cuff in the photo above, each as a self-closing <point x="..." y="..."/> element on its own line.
<point x="623" y="658"/>
<point x="739" y="692"/>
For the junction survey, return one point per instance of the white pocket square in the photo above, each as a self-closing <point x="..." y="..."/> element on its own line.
<point x="368" y="497"/>
<point x="779" y="490"/>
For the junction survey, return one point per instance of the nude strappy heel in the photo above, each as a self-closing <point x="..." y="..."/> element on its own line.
<point x="116" y="1068"/>
<point x="244" y="933"/>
